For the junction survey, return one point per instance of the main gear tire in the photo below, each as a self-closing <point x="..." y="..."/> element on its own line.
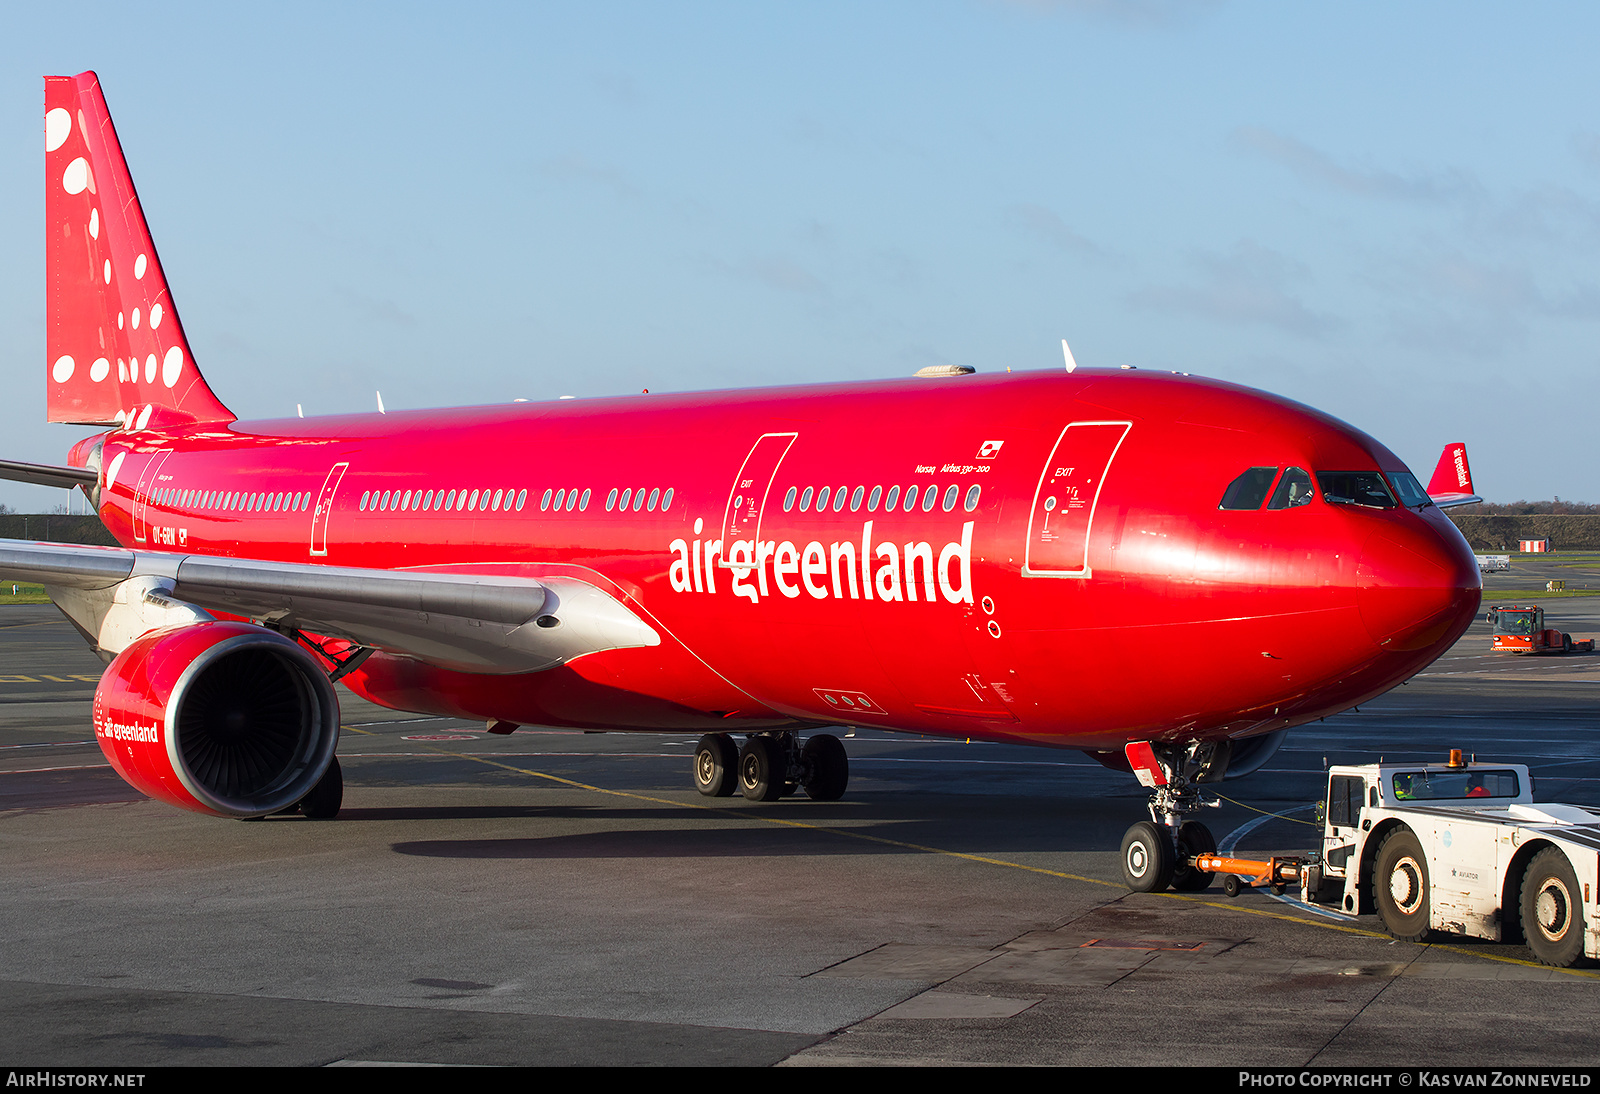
<point x="827" y="767"/>
<point x="762" y="777"/>
<point x="326" y="798"/>
<point x="716" y="766"/>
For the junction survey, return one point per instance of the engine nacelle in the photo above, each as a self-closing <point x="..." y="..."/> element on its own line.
<point x="221" y="717"/>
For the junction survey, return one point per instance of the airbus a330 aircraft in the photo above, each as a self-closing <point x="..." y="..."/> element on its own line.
<point x="1168" y="573"/>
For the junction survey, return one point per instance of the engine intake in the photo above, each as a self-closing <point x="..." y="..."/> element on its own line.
<point x="221" y="717"/>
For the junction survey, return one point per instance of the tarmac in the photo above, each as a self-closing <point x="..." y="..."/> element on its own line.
<point x="555" y="897"/>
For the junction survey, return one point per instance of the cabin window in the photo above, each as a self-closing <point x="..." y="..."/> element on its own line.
<point x="583" y="502"/>
<point x="449" y="501"/>
<point x="805" y="500"/>
<point x="655" y="495"/>
<point x="638" y="499"/>
<point x="972" y="497"/>
<point x="611" y="499"/>
<point x="911" y="498"/>
<point x="873" y="499"/>
<point x="930" y="498"/>
<point x="1293" y="489"/>
<point x="1364" y="488"/>
<point x="838" y="498"/>
<point x="666" y="499"/>
<point x="522" y="497"/>
<point x="822" y="499"/>
<point x="572" y="499"/>
<point x="788" y="499"/>
<point x="889" y="502"/>
<point x="855" y="498"/>
<point x="1250" y="489"/>
<point x="951" y="493"/>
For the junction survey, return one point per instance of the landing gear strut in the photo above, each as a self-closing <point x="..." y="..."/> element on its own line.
<point x="771" y="765"/>
<point x="1156" y="853"/>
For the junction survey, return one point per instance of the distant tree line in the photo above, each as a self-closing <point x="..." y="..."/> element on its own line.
<point x="1527" y="509"/>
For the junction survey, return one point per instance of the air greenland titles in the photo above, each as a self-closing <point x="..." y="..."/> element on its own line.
<point x="821" y="571"/>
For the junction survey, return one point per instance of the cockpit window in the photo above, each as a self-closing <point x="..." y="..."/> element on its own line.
<point x="1364" y="488"/>
<point x="1294" y="489"/>
<point x="1409" y="490"/>
<point x="1250" y="489"/>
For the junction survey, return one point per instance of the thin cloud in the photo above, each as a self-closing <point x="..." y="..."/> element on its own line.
<point x="580" y="169"/>
<point x="778" y="272"/>
<point x="1128" y="13"/>
<point x="1041" y="223"/>
<point x="1244" y="286"/>
<point x="1309" y="163"/>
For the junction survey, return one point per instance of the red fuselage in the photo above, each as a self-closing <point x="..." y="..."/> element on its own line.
<point x="1073" y="582"/>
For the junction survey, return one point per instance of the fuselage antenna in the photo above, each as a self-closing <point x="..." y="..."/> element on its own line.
<point x="1066" y="351"/>
<point x="380" y="403"/>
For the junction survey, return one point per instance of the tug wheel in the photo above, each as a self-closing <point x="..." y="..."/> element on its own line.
<point x="1552" y="912"/>
<point x="1400" y="886"/>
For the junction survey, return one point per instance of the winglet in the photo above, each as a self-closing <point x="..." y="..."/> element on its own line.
<point x="116" y="350"/>
<point x="1452" y="478"/>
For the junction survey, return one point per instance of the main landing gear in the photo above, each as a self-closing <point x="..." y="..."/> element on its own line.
<point x="326" y="797"/>
<point x="771" y="765"/>
<point x="1156" y="853"/>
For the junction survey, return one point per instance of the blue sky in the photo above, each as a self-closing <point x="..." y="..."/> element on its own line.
<point x="1390" y="212"/>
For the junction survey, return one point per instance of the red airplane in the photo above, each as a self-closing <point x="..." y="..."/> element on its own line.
<point x="1168" y="573"/>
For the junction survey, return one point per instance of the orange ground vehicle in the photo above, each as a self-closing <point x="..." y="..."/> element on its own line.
<point x="1519" y="628"/>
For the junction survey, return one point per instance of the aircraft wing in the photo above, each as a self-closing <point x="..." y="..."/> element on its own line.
<point x="1452" y="479"/>
<point x="476" y="623"/>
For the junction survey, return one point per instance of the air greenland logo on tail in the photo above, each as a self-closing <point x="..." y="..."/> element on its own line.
<point x="1458" y="456"/>
<point x="888" y="572"/>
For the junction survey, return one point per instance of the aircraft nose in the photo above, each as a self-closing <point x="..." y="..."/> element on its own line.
<point x="1417" y="585"/>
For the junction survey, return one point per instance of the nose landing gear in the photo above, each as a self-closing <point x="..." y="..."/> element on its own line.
<point x="1159" y="853"/>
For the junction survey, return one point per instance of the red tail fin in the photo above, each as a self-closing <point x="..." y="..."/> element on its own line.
<point x="116" y="350"/>
<point x="1452" y="476"/>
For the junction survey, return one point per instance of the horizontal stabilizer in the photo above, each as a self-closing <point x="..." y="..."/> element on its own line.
<point x="44" y="474"/>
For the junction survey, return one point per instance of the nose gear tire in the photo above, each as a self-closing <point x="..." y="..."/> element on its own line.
<point x="1194" y="838"/>
<point x="1147" y="858"/>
